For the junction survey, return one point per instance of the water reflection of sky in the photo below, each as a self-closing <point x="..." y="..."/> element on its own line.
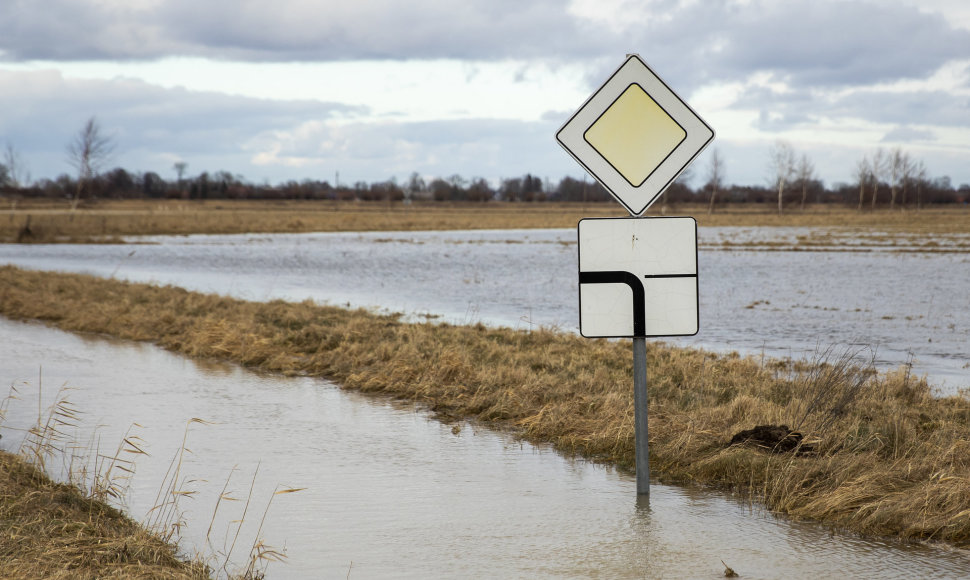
<point x="906" y="306"/>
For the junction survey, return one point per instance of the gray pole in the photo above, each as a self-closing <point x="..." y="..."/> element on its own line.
<point x="640" y="415"/>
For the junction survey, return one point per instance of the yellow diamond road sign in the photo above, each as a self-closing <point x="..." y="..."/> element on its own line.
<point x="635" y="135"/>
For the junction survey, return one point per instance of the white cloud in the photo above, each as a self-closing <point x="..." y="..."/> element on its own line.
<point x="409" y="90"/>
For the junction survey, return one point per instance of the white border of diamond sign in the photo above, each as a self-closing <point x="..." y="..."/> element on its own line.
<point x="635" y="198"/>
<point x="638" y="277"/>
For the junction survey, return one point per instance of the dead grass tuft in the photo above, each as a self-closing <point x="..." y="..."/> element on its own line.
<point x="50" y="530"/>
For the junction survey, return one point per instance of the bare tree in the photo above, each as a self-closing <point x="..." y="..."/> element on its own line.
<point x="877" y="167"/>
<point x="897" y="170"/>
<point x="179" y="168"/>
<point x="88" y="152"/>
<point x="683" y="181"/>
<point x="17" y="174"/>
<point x="782" y="167"/>
<point x="906" y="177"/>
<point x="415" y="188"/>
<point x="863" y="173"/>
<point x="920" y="172"/>
<point x="804" y="174"/>
<point x="715" y="177"/>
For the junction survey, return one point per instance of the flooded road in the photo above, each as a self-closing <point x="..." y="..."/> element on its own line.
<point x="908" y="305"/>
<point x="391" y="493"/>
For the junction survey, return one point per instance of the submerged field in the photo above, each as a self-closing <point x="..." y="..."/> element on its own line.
<point x="48" y="221"/>
<point x="881" y="456"/>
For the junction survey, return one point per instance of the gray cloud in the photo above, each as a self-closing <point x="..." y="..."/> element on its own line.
<point x="845" y="43"/>
<point x="290" y="30"/>
<point x="806" y="42"/>
<point x="910" y="107"/>
<point x="145" y="121"/>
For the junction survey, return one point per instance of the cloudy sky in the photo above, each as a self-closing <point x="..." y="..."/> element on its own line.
<point x="374" y="89"/>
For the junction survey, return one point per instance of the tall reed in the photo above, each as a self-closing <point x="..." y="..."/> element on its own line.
<point x="94" y="481"/>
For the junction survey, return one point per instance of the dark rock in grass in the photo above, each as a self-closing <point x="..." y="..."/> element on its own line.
<point x="773" y="438"/>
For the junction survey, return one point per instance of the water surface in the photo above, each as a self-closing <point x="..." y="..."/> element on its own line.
<point x="906" y="308"/>
<point x="392" y="493"/>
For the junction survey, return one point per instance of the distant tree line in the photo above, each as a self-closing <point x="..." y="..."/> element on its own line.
<point x="119" y="183"/>
<point x="883" y="178"/>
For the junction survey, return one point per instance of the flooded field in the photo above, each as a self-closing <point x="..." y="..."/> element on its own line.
<point x="392" y="493"/>
<point x="774" y="291"/>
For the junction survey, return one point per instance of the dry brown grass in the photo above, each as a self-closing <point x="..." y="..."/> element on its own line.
<point x="49" y="221"/>
<point x="50" y="530"/>
<point x="889" y="458"/>
<point x="106" y="547"/>
<point x="108" y="220"/>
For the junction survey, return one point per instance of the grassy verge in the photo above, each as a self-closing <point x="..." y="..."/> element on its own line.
<point x="889" y="458"/>
<point x="50" y="530"/>
<point x="47" y="221"/>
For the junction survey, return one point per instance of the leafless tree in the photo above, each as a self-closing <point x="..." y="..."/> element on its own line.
<point x="179" y="168"/>
<point x="907" y="177"/>
<point x="88" y="152"/>
<point x="782" y="167"/>
<point x="898" y="168"/>
<point x="715" y="177"/>
<point x="878" y="168"/>
<point x="16" y="170"/>
<point x="415" y="188"/>
<point x="684" y="179"/>
<point x="804" y="174"/>
<point x="863" y="173"/>
<point x="921" y="175"/>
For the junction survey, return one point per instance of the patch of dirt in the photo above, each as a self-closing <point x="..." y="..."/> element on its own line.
<point x="772" y="438"/>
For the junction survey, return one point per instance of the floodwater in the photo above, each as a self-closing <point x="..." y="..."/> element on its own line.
<point x="905" y="303"/>
<point x="391" y="493"/>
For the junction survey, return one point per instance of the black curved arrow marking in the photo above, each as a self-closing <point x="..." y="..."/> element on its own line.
<point x="631" y="280"/>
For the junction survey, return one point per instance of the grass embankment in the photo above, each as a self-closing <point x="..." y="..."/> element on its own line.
<point x="50" y="530"/>
<point x="890" y="459"/>
<point x="47" y="221"/>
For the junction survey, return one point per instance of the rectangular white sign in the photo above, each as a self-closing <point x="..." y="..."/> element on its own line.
<point x="638" y="277"/>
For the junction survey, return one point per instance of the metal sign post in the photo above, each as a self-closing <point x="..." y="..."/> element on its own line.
<point x="640" y="413"/>
<point x="637" y="277"/>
